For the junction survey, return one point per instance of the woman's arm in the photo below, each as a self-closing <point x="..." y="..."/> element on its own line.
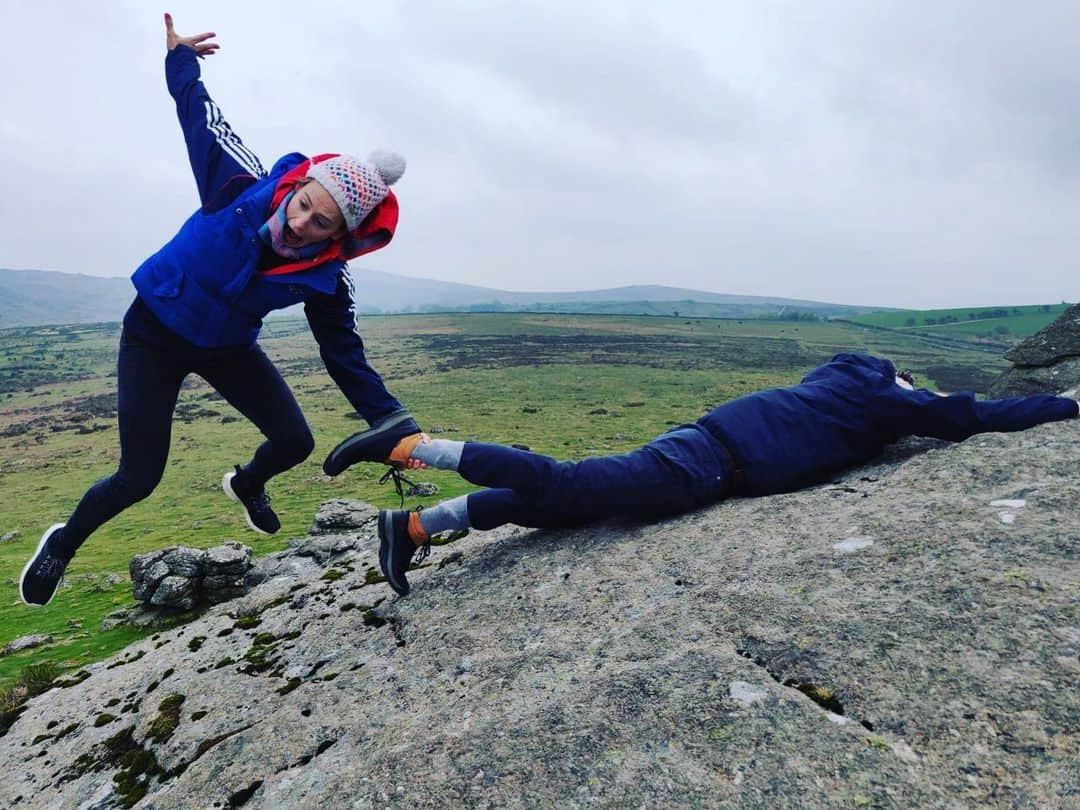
<point x="222" y="165"/>
<point x="333" y="323"/>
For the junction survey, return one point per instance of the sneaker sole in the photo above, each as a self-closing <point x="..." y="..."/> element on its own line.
<point x="30" y="562"/>
<point x="386" y="543"/>
<point x="226" y="484"/>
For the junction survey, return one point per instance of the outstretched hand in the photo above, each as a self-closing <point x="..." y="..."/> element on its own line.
<point x="198" y="43"/>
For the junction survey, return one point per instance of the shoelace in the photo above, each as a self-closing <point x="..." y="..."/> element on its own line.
<point x="50" y="567"/>
<point x="260" y="501"/>
<point x="421" y="553"/>
<point x="395" y="475"/>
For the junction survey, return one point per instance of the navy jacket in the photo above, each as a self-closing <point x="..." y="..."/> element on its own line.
<point x="204" y="284"/>
<point x="844" y="413"/>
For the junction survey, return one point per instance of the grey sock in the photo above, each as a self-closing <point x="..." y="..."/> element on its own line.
<point x="442" y="454"/>
<point x="446" y="516"/>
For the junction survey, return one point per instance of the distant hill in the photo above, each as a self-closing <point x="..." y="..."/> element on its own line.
<point x="36" y="297"/>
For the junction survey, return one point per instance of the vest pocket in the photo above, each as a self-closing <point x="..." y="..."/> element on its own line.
<point x="168" y="282"/>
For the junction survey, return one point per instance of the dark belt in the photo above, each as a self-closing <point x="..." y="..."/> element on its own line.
<point x="738" y="479"/>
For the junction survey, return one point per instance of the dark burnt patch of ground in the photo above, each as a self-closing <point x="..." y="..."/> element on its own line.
<point x="500" y="351"/>
<point x="31" y="357"/>
<point x="958" y="377"/>
<point x="88" y="414"/>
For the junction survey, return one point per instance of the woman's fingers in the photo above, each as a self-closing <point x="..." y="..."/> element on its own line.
<point x="170" y="34"/>
<point x="198" y="42"/>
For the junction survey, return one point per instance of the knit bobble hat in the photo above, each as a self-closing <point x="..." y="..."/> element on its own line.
<point x="357" y="186"/>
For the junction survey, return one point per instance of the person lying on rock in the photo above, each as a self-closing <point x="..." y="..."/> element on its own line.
<point x="840" y="415"/>
<point x="261" y="241"/>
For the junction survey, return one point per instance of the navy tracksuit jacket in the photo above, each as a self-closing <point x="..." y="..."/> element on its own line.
<point x="840" y="415"/>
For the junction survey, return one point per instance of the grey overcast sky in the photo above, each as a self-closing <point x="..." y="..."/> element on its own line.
<point x="918" y="153"/>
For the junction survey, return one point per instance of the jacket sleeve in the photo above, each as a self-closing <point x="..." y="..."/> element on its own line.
<point x="958" y="416"/>
<point x="222" y="165"/>
<point x="333" y="322"/>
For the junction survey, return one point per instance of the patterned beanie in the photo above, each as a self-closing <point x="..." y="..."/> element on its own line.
<point x="357" y="186"/>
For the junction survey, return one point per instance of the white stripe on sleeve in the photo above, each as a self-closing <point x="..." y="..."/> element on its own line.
<point x="230" y="142"/>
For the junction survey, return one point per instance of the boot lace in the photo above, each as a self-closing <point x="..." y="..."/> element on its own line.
<point x="260" y="501"/>
<point x="421" y="554"/>
<point x="395" y="475"/>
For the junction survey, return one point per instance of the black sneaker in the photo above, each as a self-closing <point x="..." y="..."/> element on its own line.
<point x="257" y="511"/>
<point x="374" y="444"/>
<point x="42" y="575"/>
<point x="396" y="548"/>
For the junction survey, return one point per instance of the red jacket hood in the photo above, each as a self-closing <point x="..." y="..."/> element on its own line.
<point x="373" y="233"/>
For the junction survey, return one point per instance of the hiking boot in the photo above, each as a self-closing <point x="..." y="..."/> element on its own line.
<point x="375" y="444"/>
<point x="397" y="549"/>
<point x="256" y="503"/>
<point x="42" y="575"/>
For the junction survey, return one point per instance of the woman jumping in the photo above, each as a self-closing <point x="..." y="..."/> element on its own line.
<point x="260" y="242"/>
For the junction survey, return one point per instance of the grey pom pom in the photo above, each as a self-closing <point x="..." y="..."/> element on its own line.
<point x="390" y="165"/>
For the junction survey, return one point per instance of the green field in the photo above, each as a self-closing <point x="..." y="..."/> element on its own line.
<point x="997" y="324"/>
<point x="568" y="385"/>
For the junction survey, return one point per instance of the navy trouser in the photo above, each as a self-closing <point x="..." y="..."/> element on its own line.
<point x="151" y="366"/>
<point x="676" y="472"/>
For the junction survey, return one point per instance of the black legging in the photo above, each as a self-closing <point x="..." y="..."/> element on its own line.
<point x="150" y="370"/>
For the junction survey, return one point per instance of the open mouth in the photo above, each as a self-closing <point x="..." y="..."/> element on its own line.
<point x="290" y="238"/>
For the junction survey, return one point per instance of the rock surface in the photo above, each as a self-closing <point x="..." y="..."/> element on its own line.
<point x="1049" y="360"/>
<point x="905" y="636"/>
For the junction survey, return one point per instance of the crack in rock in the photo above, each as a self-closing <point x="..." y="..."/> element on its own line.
<point x="822" y="695"/>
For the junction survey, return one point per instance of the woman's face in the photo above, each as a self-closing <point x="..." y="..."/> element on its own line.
<point x="311" y="216"/>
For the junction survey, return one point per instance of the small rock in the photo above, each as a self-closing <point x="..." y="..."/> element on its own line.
<point x="227" y="559"/>
<point x="115" y="619"/>
<point x="174" y="592"/>
<point x="746" y="693"/>
<point x="343" y="515"/>
<point x="851" y="544"/>
<point x="26" y="643"/>
<point x="184" y="562"/>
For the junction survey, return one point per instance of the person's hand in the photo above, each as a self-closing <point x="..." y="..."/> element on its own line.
<point x="415" y="463"/>
<point x="198" y="43"/>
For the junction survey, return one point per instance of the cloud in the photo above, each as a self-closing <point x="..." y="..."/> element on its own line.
<point x="890" y="153"/>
